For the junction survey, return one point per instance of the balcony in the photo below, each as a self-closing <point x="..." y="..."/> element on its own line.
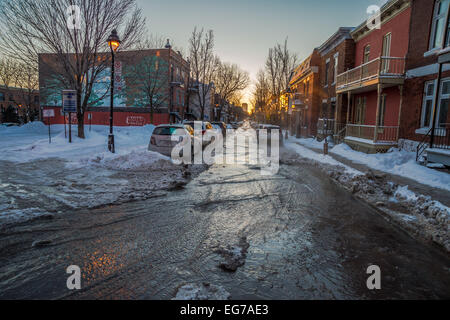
<point x="384" y="70"/>
<point x="363" y="137"/>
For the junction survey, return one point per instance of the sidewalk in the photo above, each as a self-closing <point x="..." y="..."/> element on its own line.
<point x="437" y="194"/>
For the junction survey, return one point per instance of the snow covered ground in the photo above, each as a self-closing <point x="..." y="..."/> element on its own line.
<point x="38" y="179"/>
<point x="324" y="159"/>
<point x="30" y="142"/>
<point x="398" y="162"/>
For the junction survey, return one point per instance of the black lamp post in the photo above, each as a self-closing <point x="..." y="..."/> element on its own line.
<point x="114" y="43"/>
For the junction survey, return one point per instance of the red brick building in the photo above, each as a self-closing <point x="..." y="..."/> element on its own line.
<point x="428" y="18"/>
<point x="337" y="56"/>
<point x="305" y="90"/>
<point x="374" y="87"/>
<point x="170" y="99"/>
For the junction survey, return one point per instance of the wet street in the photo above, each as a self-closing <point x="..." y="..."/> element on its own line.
<point x="308" y="239"/>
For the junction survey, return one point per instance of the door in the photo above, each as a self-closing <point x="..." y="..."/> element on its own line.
<point x="386" y="52"/>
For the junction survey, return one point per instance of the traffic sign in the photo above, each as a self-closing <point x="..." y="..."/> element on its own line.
<point x="69" y="98"/>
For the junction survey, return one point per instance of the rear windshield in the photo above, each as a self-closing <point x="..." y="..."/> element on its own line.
<point x="168" y="131"/>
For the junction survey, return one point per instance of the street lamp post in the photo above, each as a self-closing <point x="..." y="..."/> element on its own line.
<point x="114" y="43"/>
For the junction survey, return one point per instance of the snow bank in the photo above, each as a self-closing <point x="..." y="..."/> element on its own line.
<point x="204" y="291"/>
<point x="30" y="142"/>
<point x="402" y="163"/>
<point x="324" y="159"/>
<point x="8" y="216"/>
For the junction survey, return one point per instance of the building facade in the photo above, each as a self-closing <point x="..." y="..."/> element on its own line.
<point x="150" y="81"/>
<point x="374" y="87"/>
<point x="426" y="96"/>
<point x="305" y="92"/>
<point x="337" y="56"/>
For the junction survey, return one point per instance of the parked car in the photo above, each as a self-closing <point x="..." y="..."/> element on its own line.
<point x="220" y="126"/>
<point x="205" y="127"/>
<point x="235" y="125"/>
<point x="161" y="140"/>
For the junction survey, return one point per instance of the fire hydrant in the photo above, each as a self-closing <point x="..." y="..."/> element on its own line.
<point x="325" y="147"/>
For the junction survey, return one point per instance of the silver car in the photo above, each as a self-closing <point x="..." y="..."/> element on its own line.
<point x="162" y="140"/>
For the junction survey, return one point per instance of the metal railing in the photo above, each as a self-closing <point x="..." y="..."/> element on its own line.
<point x="379" y="67"/>
<point x="384" y="134"/>
<point x="339" y="135"/>
<point x="441" y="140"/>
<point x="325" y="126"/>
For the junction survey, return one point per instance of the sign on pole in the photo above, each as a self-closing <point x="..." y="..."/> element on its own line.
<point x="49" y="113"/>
<point x="69" y="98"/>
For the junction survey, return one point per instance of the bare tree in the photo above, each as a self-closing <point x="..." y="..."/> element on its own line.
<point x="229" y="80"/>
<point x="149" y="77"/>
<point x="261" y="93"/>
<point x="203" y="64"/>
<point x="279" y="65"/>
<point x="22" y="80"/>
<point x="75" y="33"/>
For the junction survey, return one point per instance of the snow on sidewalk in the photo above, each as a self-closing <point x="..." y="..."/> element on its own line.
<point x="30" y="142"/>
<point x="397" y="162"/>
<point x="324" y="159"/>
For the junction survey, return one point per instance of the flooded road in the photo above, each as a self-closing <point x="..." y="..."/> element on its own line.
<point x="308" y="239"/>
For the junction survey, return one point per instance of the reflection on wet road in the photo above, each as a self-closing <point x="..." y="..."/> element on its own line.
<point x="308" y="239"/>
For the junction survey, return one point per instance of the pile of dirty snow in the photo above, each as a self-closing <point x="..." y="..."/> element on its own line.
<point x="204" y="291"/>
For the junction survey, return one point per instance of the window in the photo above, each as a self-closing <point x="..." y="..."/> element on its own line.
<point x="438" y="25"/>
<point x="427" y="108"/>
<point x="442" y="108"/>
<point x="2" y="96"/>
<point x="386" y="52"/>
<point x="366" y="57"/>
<point x="360" y="110"/>
<point x="327" y="70"/>
<point x="444" y="100"/>
<point x="336" y="62"/>
<point x="382" y="110"/>
<point x="11" y="97"/>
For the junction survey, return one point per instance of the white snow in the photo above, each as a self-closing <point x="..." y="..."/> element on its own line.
<point x="325" y="159"/>
<point x="398" y="162"/>
<point x="201" y="292"/>
<point x="89" y="175"/>
<point x="30" y="142"/>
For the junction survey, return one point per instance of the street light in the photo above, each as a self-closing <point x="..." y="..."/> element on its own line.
<point x="113" y="43"/>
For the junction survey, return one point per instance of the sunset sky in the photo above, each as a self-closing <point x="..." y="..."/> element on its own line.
<point x="245" y="29"/>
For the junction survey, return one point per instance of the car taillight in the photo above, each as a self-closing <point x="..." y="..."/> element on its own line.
<point x="153" y="141"/>
<point x="204" y="131"/>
